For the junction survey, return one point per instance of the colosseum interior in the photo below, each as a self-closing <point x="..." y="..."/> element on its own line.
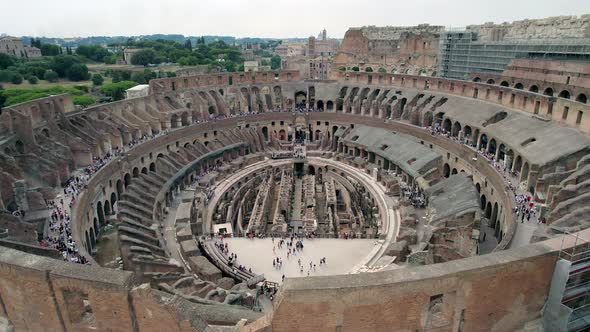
<point x="408" y="193"/>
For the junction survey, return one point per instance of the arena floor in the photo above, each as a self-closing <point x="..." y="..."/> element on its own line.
<point x="341" y="256"/>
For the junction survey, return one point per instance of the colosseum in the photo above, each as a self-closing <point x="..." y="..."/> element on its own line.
<point x="266" y="202"/>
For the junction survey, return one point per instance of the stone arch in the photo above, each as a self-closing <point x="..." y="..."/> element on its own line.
<point x="564" y="94"/>
<point x="152" y="167"/>
<point x="482" y="202"/>
<point x="174" y="121"/>
<point x="492" y="146"/>
<point x="467" y="132"/>
<point x="582" y="98"/>
<point x="454" y="171"/>
<point x="100" y="213"/>
<point x="534" y="89"/>
<point x="282" y="135"/>
<point x="88" y="244"/>
<point x="456" y="129"/>
<point x="517" y="164"/>
<point x="127" y="179"/>
<point x="446" y="170"/>
<point x="525" y="172"/>
<point x="483" y="142"/>
<point x="548" y="92"/>
<point x="488" y="211"/>
<point x="113" y="201"/>
<point x="320" y="105"/>
<point x="311" y="170"/>
<point x="265" y="132"/>
<point x="329" y="105"/>
<point x="478" y="187"/>
<point x="107" y="208"/>
<point x="501" y="151"/>
<point x="135" y="172"/>
<point x="491" y="81"/>
<point x="447" y="125"/>
<point x="428" y="118"/>
<point x="144" y="170"/>
<point x="519" y="86"/>
<point x="184" y="119"/>
<point x="476" y="79"/>
<point x="504" y="83"/>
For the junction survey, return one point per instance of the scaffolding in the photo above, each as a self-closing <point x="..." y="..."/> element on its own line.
<point x="460" y="52"/>
<point x="568" y="303"/>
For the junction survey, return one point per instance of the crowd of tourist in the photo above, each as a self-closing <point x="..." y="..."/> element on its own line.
<point x="59" y="234"/>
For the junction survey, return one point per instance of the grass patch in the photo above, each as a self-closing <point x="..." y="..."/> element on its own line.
<point x="21" y="95"/>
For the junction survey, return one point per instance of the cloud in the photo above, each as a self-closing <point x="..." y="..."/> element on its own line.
<point x="259" y="18"/>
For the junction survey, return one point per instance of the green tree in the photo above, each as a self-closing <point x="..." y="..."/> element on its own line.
<point x="188" y="45"/>
<point x="93" y="52"/>
<point x="61" y="63"/>
<point x="50" y="50"/>
<point x="50" y="76"/>
<point x="83" y="101"/>
<point x="143" y="57"/>
<point x="6" y="61"/>
<point x="382" y="70"/>
<point x="97" y="79"/>
<point x="16" y="78"/>
<point x="117" y="90"/>
<point x="33" y="79"/>
<point x="355" y="68"/>
<point x="78" y="72"/>
<point x="342" y="68"/>
<point x="275" y="62"/>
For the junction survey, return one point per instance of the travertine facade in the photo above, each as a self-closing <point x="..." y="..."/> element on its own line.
<point x="556" y="27"/>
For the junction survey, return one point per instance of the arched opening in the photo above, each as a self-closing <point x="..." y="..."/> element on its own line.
<point x="144" y="170"/>
<point x="525" y="172"/>
<point x="184" y="119"/>
<point x="519" y="86"/>
<point x="135" y="172"/>
<point x="100" y="213"/>
<point x="174" y="121"/>
<point x="300" y="98"/>
<point x="456" y="129"/>
<point x="45" y="132"/>
<point x="467" y="133"/>
<point x="446" y="170"/>
<point x="320" y="105"/>
<point x="265" y="133"/>
<point x="517" y="164"/>
<point x="482" y="202"/>
<point x="454" y="171"/>
<point x="107" y="208"/>
<point x="113" y="201"/>
<point x="282" y="135"/>
<point x="581" y="98"/>
<point x="483" y="142"/>
<point x="504" y="83"/>
<point x="476" y="79"/>
<point x="488" y="212"/>
<point x="311" y="170"/>
<point x="88" y="244"/>
<point x="548" y="92"/>
<point x="492" y="146"/>
<point x="491" y="81"/>
<point x="447" y="125"/>
<point x="501" y="152"/>
<point x="330" y="105"/>
<point x="564" y="94"/>
<point x="92" y="238"/>
<point x="152" y="167"/>
<point x="534" y="89"/>
<point x="119" y="189"/>
<point x="478" y="187"/>
<point x="127" y="180"/>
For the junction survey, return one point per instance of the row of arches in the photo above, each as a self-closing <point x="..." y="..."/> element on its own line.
<point x="566" y="94"/>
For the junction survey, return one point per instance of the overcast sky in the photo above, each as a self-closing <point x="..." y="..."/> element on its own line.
<point x="259" y="18"/>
